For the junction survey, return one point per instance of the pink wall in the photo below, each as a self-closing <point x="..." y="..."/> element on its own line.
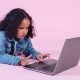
<point x="55" y="20"/>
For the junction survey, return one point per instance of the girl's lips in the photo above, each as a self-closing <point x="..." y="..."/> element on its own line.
<point x="22" y="36"/>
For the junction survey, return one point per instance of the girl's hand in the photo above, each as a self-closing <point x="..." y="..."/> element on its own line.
<point x="26" y="61"/>
<point x="21" y="55"/>
<point x="42" y="57"/>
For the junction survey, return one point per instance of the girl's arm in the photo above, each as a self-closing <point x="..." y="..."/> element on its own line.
<point x="30" y="50"/>
<point x="6" y="58"/>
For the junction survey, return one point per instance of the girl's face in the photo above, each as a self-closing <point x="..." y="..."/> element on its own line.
<point x="23" y="29"/>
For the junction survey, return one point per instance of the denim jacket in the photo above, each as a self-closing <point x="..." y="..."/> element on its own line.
<point x="23" y="45"/>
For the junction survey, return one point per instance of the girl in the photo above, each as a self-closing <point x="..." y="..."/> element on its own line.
<point x="16" y="48"/>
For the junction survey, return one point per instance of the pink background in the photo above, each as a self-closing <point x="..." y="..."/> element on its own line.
<point x="54" y="20"/>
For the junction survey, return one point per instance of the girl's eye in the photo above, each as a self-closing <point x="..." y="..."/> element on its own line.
<point x="21" y="28"/>
<point x="24" y="28"/>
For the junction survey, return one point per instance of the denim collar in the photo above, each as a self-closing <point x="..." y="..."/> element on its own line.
<point x="10" y="40"/>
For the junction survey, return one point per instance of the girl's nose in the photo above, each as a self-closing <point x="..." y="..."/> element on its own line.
<point x="25" y="31"/>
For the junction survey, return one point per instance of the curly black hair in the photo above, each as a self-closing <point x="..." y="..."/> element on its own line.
<point x="12" y="21"/>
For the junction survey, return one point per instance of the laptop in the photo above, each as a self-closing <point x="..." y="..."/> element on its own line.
<point x="68" y="58"/>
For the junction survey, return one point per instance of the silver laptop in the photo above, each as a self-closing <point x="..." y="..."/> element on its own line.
<point x="69" y="58"/>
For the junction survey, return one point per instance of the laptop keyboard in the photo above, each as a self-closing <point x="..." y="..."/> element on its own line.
<point x="36" y="65"/>
<point x="47" y="65"/>
<point x="49" y="68"/>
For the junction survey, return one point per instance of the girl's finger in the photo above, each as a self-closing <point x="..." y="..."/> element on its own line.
<point x="40" y="57"/>
<point x="46" y="56"/>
